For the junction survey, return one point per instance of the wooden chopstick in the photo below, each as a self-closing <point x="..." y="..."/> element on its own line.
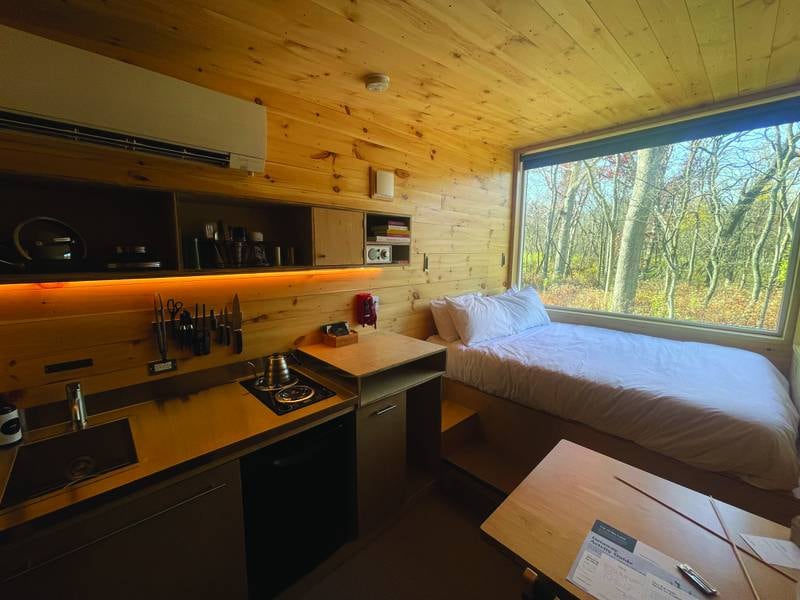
<point x="702" y="526"/>
<point x="733" y="545"/>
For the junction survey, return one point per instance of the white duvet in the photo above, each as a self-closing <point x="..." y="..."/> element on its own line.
<point x="716" y="408"/>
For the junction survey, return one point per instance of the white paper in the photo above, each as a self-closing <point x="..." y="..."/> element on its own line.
<point x="658" y="589"/>
<point x="611" y="565"/>
<point x="781" y="553"/>
<point x="614" y="580"/>
<point x="585" y="569"/>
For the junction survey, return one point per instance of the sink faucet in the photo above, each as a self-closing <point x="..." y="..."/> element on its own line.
<point x="77" y="407"/>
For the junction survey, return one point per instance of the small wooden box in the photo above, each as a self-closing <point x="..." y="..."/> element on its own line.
<point x="337" y="341"/>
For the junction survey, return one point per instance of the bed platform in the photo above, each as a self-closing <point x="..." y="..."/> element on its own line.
<point x="499" y="442"/>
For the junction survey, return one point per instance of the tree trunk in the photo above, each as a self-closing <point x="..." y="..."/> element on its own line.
<point x="781" y="242"/>
<point x="568" y="213"/>
<point x="693" y="251"/>
<point x="551" y="216"/>
<point x="755" y="257"/>
<point x="649" y="175"/>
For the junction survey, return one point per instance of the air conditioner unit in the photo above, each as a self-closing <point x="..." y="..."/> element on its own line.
<point x="53" y="89"/>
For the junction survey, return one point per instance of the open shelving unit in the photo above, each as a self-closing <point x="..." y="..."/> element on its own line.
<point x="401" y="249"/>
<point x="166" y="222"/>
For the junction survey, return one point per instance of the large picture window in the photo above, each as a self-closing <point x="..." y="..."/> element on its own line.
<point x="693" y="222"/>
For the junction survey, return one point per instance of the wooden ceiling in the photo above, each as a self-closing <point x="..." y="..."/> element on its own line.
<point x="506" y="72"/>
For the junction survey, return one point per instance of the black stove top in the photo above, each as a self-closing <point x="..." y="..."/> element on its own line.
<point x="304" y="392"/>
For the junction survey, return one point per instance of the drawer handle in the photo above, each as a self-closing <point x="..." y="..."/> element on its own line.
<point x="383" y="411"/>
<point x="111" y="534"/>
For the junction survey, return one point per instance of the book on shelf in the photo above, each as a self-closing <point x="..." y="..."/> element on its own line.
<point x="395" y="223"/>
<point x="389" y="231"/>
<point x="388" y="239"/>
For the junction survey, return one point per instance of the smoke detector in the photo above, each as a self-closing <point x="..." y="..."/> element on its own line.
<point x="377" y="82"/>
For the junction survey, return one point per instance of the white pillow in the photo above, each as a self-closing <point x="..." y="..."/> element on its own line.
<point x="481" y="318"/>
<point x="441" y="317"/>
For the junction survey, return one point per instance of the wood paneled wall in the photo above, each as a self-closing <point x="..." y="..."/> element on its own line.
<point x="458" y="195"/>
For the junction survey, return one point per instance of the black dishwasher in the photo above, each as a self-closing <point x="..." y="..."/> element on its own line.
<point x="299" y="504"/>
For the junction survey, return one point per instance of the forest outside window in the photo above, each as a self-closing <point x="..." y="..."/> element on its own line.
<point x="694" y="222"/>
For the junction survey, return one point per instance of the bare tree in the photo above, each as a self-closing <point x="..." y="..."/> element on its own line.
<point x="648" y="179"/>
<point x="574" y="181"/>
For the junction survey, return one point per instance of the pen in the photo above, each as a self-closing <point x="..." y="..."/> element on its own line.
<point x="702" y="584"/>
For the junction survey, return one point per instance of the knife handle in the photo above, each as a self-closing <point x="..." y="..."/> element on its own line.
<point x="238" y="341"/>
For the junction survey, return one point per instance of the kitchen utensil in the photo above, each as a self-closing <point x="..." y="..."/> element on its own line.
<point x="197" y="338"/>
<point x="165" y="364"/>
<point x="206" y="333"/>
<point x="236" y="326"/>
<point x="59" y="248"/>
<point x="196" y="254"/>
<point x="186" y="329"/>
<point x="49" y="245"/>
<point x="221" y="327"/>
<point x="173" y="308"/>
<point x="161" y="327"/>
<point x="10" y="424"/>
<point x="46" y="239"/>
<point x="130" y="258"/>
<point x="276" y="371"/>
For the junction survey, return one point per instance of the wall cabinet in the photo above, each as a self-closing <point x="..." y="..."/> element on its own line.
<point x="338" y="237"/>
<point x="184" y="540"/>
<point x="381" y="448"/>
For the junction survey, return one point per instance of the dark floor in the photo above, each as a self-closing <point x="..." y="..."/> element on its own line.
<point x="435" y="550"/>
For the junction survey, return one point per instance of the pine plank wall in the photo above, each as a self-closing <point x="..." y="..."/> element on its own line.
<point x="458" y="194"/>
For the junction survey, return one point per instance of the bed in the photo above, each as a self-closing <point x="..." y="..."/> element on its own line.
<point x="719" y="409"/>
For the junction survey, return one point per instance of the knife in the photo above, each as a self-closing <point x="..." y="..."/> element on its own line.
<point x="236" y="324"/>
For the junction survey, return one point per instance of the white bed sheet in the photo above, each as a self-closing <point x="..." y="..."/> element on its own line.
<point x="717" y="408"/>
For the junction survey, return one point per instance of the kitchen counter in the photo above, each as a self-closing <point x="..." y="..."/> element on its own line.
<point x="179" y="432"/>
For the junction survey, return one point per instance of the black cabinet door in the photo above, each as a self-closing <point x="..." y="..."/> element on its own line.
<point x="182" y="541"/>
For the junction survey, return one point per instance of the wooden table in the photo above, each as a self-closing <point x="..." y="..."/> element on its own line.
<point x="546" y="518"/>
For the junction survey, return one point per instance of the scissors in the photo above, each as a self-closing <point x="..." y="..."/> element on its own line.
<point x="173" y="308"/>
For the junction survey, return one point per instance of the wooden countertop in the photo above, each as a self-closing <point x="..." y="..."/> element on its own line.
<point x="373" y="353"/>
<point x="546" y="518"/>
<point x="169" y="433"/>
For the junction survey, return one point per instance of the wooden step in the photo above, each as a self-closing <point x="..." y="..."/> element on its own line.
<point x="489" y="465"/>
<point x="460" y="425"/>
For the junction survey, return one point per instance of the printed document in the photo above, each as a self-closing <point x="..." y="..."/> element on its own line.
<point x="612" y="565"/>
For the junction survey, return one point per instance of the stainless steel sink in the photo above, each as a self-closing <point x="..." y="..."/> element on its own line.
<point x="57" y="462"/>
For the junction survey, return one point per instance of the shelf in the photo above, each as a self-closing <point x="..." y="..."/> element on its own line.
<point x="7" y="278"/>
<point x="167" y="223"/>
<point x="369" y="243"/>
<point x="395" y="380"/>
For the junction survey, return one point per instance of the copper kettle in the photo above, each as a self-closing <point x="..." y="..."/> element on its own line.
<point x="276" y="370"/>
